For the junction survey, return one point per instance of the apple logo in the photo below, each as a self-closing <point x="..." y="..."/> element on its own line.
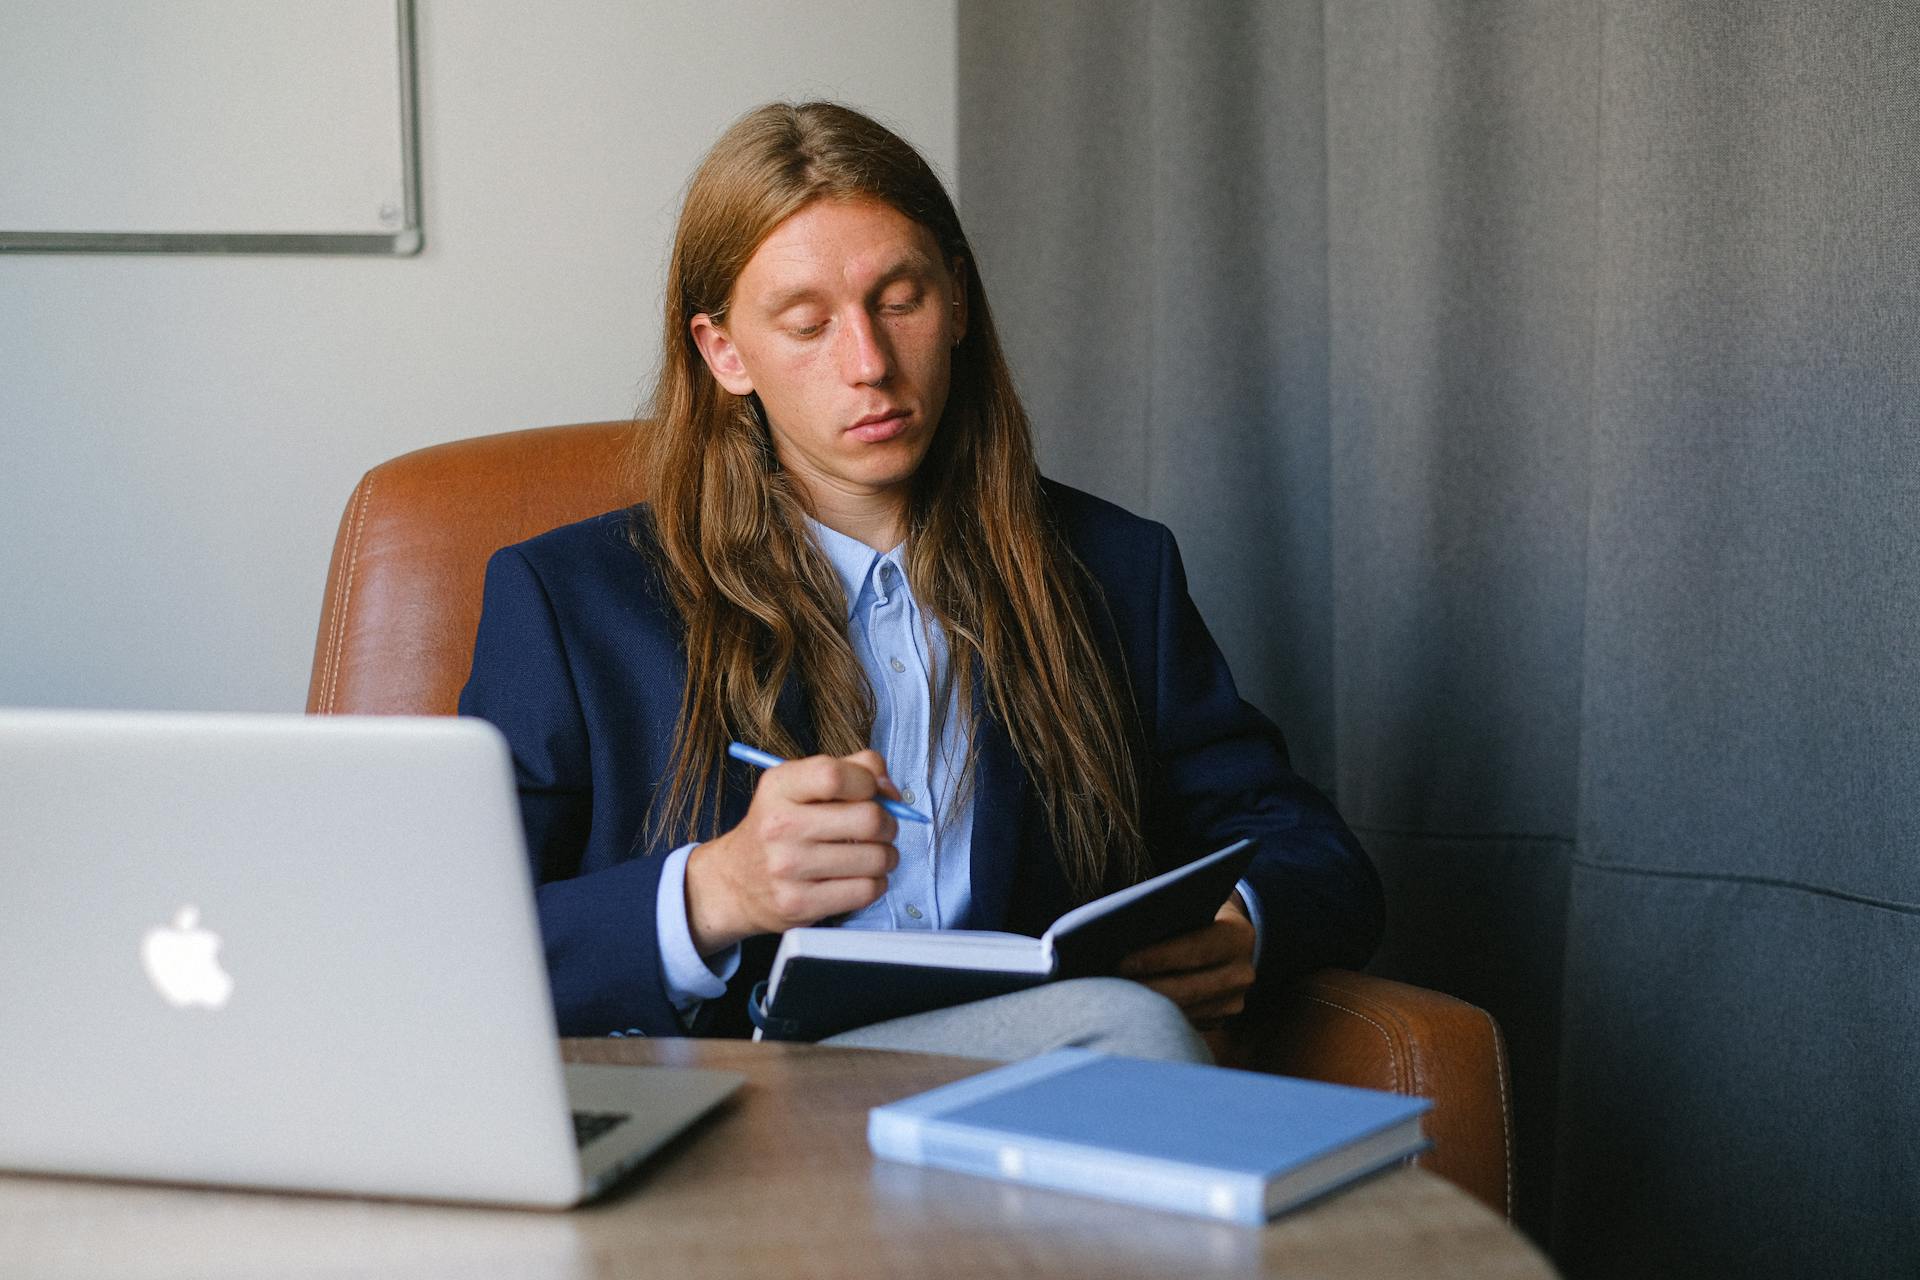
<point x="183" y="964"/>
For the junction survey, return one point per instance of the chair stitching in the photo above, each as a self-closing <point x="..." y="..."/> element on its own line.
<point x="335" y="617"/>
<point x="1417" y="1083"/>
<point x="331" y="650"/>
<point x="1393" y="1059"/>
<point x="346" y="592"/>
<point x="1506" y="1123"/>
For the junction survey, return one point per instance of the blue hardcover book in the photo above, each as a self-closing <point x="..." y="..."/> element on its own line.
<point x="1203" y="1140"/>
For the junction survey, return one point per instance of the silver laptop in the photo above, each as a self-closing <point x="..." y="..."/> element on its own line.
<point x="292" y="952"/>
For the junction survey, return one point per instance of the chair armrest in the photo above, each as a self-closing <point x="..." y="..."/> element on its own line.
<point x="1349" y="1028"/>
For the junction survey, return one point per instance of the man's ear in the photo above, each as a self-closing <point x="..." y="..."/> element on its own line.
<point x="722" y="357"/>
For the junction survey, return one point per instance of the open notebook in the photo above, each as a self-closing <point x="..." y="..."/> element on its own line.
<point x="825" y="981"/>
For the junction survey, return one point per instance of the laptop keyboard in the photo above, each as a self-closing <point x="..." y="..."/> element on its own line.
<point x="589" y="1125"/>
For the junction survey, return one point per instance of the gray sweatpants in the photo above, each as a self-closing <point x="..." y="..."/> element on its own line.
<point x="1111" y="1015"/>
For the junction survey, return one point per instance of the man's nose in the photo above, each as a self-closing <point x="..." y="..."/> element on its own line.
<point x="865" y="351"/>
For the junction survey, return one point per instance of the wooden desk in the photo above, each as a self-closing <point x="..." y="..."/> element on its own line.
<point x="779" y="1182"/>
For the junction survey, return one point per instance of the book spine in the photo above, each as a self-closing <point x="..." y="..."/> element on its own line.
<point x="894" y="1136"/>
<point x="1207" y="1193"/>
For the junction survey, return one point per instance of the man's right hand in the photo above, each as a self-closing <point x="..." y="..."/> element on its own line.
<point x="813" y="844"/>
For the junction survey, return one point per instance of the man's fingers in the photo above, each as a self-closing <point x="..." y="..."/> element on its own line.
<point x="851" y="894"/>
<point x="1203" y="948"/>
<point x="860" y="776"/>
<point x="871" y="761"/>
<point x="819" y="778"/>
<point x="829" y="821"/>
<point x="833" y="860"/>
<point x="1202" y="986"/>
<point x="803" y="902"/>
<point x="1212" y="1012"/>
<point x="1183" y="988"/>
<point x="814" y="845"/>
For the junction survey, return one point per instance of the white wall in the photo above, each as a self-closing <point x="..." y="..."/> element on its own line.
<point x="178" y="435"/>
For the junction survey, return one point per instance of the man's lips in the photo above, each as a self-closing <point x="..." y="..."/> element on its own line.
<point x="877" y="427"/>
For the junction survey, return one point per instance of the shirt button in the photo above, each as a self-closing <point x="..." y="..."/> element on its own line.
<point x="913" y="911"/>
<point x="896" y="664"/>
<point x="908" y="795"/>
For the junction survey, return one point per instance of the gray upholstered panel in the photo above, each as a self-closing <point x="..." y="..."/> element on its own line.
<point x="1742" y="1014"/>
<point x="1460" y="201"/>
<point x="1753" y="645"/>
<point x="1740" y="1098"/>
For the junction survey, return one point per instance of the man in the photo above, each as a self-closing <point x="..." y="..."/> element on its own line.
<point x="850" y="559"/>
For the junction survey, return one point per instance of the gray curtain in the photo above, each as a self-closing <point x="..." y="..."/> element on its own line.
<point x="1535" y="388"/>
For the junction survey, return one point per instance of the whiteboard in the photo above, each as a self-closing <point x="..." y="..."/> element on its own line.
<point x="235" y="126"/>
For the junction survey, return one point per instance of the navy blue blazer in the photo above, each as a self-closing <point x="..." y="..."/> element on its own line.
<point x="579" y="662"/>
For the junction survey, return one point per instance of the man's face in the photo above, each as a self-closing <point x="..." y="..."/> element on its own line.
<point x="844" y="323"/>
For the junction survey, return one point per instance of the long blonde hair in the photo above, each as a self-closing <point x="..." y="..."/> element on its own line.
<point x="760" y="601"/>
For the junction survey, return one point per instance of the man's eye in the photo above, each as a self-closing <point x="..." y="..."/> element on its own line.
<point x="901" y="306"/>
<point x="805" y="330"/>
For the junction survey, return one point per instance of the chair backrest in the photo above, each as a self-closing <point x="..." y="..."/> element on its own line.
<point x="403" y="591"/>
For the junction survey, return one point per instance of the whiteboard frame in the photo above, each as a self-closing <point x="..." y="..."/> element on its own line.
<point x="405" y="241"/>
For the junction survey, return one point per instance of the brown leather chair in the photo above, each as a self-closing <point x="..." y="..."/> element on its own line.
<point x="396" y="637"/>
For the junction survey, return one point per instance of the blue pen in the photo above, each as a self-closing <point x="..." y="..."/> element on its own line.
<point x="764" y="760"/>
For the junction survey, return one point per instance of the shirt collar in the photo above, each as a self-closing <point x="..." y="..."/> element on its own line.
<point x="853" y="561"/>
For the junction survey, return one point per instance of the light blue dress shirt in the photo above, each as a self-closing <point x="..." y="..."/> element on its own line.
<point x="904" y="655"/>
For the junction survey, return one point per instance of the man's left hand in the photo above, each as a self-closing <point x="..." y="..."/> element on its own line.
<point x="1206" y="972"/>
